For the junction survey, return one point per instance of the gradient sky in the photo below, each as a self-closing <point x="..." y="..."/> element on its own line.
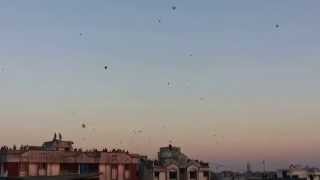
<point x="253" y="85"/>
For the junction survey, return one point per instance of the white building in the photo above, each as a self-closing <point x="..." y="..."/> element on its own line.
<point x="300" y="172"/>
<point x="174" y="165"/>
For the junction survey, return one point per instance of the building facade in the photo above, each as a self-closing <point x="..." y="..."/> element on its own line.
<point x="172" y="164"/>
<point x="58" y="157"/>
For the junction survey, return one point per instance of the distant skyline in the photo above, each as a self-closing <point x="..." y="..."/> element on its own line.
<point x="217" y="78"/>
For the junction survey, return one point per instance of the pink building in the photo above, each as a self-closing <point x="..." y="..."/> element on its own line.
<point x="58" y="157"/>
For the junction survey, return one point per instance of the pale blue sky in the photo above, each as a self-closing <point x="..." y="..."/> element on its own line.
<point x="259" y="83"/>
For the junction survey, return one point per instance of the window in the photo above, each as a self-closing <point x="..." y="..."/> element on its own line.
<point x="193" y="174"/>
<point x="157" y="174"/>
<point x="127" y="174"/>
<point x="206" y="173"/>
<point x="182" y="170"/>
<point x="114" y="173"/>
<point x="295" y="177"/>
<point x="126" y="171"/>
<point x="24" y="166"/>
<point x="172" y="175"/>
<point x="310" y="177"/>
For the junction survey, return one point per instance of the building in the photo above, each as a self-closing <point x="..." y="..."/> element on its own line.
<point x="172" y="164"/>
<point x="58" y="157"/>
<point x="299" y="172"/>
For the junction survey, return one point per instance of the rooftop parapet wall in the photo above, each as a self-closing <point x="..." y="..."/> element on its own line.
<point x="70" y="157"/>
<point x="60" y="151"/>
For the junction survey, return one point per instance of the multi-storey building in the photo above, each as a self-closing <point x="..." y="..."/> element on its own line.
<point x="172" y="164"/>
<point x="58" y="157"/>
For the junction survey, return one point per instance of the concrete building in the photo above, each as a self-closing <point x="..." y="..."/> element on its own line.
<point x="172" y="164"/>
<point x="58" y="157"/>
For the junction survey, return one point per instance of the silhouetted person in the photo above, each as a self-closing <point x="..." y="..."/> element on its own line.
<point x="55" y="136"/>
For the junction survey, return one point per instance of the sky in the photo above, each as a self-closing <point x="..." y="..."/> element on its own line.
<point x="215" y="77"/>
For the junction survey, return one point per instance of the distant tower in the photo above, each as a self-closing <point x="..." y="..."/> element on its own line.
<point x="249" y="168"/>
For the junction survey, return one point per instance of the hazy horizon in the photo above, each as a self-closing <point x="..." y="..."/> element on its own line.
<point x="218" y="78"/>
